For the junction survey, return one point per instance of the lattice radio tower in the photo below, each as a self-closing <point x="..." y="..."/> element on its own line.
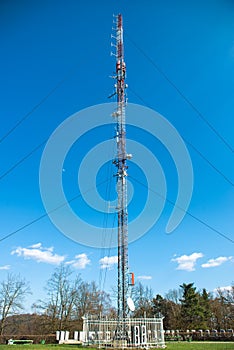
<point x="123" y="331"/>
<point x="120" y="162"/>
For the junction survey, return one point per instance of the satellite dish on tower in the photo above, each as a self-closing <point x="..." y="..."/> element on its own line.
<point x="130" y="304"/>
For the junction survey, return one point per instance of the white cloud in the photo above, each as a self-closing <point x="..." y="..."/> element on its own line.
<point x="5" y="267"/>
<point x="144" y="277"/>
<point x="187" y="262"/>
<point x="217" y="261"/>
<point x="36" y="245"/>
<point x="40" y="254"/>
<point x="108" y="262"/>
<point x="223" y="289"/>
<point x="80" y="262"/>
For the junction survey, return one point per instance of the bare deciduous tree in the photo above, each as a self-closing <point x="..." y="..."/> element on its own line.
<point x="222" y="307"/>
<point x="91" y="300"/>
<point x="62" y="294"/>
<point x="12" y="294"/>
<point x="142" y="297"/>
<point x="68" y="299"/>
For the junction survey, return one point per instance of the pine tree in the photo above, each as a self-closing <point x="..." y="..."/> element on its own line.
<point x="191" y="312"/>
<point x="205" y="306"/>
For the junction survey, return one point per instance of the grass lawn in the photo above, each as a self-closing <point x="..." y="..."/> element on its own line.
<point x="170" y="346"/>
<point x="200" y="346"/>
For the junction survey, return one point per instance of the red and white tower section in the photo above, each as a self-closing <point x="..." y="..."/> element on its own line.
<point x="121" y="164"/>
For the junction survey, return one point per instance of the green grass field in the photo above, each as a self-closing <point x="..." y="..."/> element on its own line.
<point x="170" y="346"/>
<point x="200" y="346"/>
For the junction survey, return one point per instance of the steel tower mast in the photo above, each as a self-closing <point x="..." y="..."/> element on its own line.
<point x="125" y="331"/>
<point x="121" y="174"/>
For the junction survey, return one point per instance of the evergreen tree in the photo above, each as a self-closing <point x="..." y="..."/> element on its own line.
<point x="168" y="309"/>
<point x="205" y="306"/>
<point x="191" y="311"/>
<point x="158" y="305"/>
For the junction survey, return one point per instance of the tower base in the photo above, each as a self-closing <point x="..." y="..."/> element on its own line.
<point x="138" y="332"/>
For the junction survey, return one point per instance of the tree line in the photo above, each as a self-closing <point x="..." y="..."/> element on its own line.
<point x="69" y="298"/>
<point x="188" y="308"/>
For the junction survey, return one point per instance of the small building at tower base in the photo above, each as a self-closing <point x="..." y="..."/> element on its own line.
<point x="138" y="332"/>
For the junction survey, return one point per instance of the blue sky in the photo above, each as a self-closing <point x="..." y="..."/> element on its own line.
<point x="47" y="42"/>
